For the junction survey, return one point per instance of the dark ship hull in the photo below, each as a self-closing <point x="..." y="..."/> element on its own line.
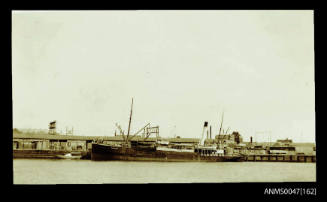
<point x="101" y="152"/>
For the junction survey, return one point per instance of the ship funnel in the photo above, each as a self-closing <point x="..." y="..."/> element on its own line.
<point x="201" y="142"/>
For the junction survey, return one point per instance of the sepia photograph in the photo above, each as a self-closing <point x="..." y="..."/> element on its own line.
<point x="163" y="96"/>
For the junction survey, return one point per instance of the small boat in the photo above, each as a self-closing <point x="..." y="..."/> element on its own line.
<point x="70" y="156"/>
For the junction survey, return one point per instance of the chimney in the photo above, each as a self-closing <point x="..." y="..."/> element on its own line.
<point x="251" y="139"/>
<point x="210" y="132"/>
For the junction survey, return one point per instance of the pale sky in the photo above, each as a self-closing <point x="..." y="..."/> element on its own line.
<point x="182" y="68"/>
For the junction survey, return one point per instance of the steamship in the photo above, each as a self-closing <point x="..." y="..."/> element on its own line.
<point x="142" y="150"/>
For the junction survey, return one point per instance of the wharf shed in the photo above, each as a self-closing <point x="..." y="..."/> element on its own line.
<point x="45" y="141"/>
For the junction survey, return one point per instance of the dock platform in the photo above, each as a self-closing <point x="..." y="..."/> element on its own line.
<point x="281" y="158"/>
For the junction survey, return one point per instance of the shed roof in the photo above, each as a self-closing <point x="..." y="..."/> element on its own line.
<point x="47" y="136"/>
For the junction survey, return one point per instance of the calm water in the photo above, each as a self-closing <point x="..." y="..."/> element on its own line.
<point x="35" y="171"/>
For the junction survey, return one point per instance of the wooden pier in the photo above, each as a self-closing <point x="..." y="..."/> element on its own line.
<point x="281" y="158"/>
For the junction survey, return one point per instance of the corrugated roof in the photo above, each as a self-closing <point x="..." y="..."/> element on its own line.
<point x="110" y="138"/>
<point x="52" y="137"/>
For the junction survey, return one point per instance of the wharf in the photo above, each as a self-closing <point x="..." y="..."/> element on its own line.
<point x="281" y="158"/>
<point x="43" y="145"/>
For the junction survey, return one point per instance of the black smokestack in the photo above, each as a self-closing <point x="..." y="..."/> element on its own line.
<point x="251" y="139"/>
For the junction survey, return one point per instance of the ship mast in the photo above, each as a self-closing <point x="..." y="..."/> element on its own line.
<point x="221" y="124"/>
<point x="130" y="119"/>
